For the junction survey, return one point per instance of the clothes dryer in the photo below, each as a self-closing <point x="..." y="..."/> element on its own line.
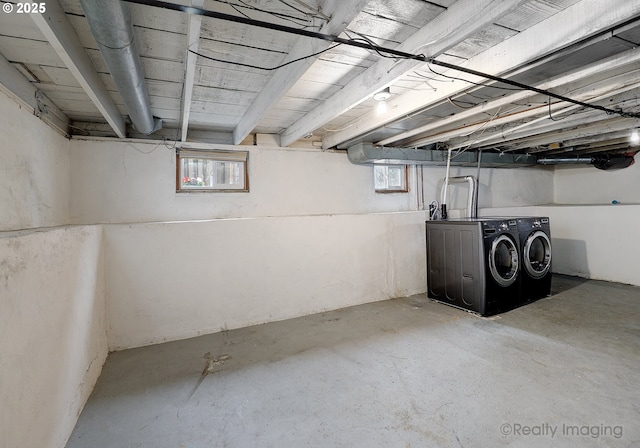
<point x="535" y="249"/>
<point x="474" y="264"/>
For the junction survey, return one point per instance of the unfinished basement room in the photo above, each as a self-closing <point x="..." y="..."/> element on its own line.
<point x="319" y="223"/>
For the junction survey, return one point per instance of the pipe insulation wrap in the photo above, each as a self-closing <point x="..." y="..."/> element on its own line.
<point x="111" y="26"/>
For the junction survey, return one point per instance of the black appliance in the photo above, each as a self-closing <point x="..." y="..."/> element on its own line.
<point x="474" y="263"/>
<point x="535" y="249"/>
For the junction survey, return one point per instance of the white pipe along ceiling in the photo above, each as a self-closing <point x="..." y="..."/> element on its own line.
<point x="523" y="81"/>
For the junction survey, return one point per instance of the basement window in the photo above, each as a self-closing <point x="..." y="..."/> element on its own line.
<point x="390" y="178"/>
<point x="212" y="170"/>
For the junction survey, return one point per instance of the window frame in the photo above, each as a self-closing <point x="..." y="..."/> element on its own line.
<point x="403" y="189"/>
<point x="220" y="155"/>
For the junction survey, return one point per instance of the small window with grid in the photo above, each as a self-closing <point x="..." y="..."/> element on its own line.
<point x="390" y="178"/>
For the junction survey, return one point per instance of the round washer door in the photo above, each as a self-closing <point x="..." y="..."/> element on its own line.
<point x="504" y="264"/>
<point x="537" y="254"/>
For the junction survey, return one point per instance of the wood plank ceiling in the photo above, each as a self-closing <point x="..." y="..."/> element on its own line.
<point x="215" y="80"/>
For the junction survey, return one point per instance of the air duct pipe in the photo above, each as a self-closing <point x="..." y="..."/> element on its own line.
<point x="110" y="22"/>
<point x="472" y="199"/>
<point x="600" y="161"/>
<point x="565" y="161"/>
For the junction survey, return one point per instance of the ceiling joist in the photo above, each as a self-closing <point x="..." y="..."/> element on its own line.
<point x="579" y="21"/>
<point x="603" y="92"/>
<point x="342" y="13"/>
<point x="458" y="22"/>
<point x="17" y="85"/>
<point x="194" y="25"/>
<point x="57" y="29"/>
<point x="564" y="84"/>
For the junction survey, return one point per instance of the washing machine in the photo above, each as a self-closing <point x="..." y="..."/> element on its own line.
<point x="474" y="264"/>
<point x="535" y="250"/>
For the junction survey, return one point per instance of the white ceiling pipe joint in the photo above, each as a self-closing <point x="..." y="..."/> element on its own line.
<point x="110" y="22"/>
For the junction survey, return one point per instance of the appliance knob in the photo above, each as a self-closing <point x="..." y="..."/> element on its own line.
<point x="504" y="226"/>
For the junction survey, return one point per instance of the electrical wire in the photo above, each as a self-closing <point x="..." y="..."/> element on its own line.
<point x="467" y="80"/>
<point x="301" y="11"/>
<point x="461" y="107"/>
<point x="147" y="152"/>
<point x="262" y="68"/>
<point x="375" y="48"/>
<point x="383" y="52"/>
<point x="235" y="8"/>
<point x="279" y="15"/>
<point x="551" y="116"/>
<point x="430" y="78"/>
<point x="482" y="128"/>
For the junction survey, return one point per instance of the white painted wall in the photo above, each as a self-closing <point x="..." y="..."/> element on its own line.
<point x="171" y="281"/>
<point x="591" y="237"/>
<point x="52" y="332"/>
<point x="52" y="311"/>
<point x="311" y="235"/>
<point x="588" y="185"/>
<point x="34" y="171"/>
<point x="117" y="182"/>
<point x="596" y="241"/>
<point x="132" y="182"/>
<point x="498" y="187"/>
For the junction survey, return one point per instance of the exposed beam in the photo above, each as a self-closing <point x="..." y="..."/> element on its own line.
<point x="17" y="85"/>
<point x="542" y="132"/>
<point x="596" y="93"/>
<point x="462" y="19"/>
<point x="342" y="13"/>
<point x="563" y="84"/>
<point x="57" y="29"/>
<point x="581" y="131"/>
<point x="543" y="123"/>
<point x="581" y="20"/>
<point x="193" y="38"/>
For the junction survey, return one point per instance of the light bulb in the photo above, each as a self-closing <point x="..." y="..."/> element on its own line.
<point x="382" y="107"/>
<point x="635" y="137"/>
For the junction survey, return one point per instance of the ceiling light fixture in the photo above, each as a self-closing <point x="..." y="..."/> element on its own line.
<point x="381" y="108"/>
<point x="381" y="97"/>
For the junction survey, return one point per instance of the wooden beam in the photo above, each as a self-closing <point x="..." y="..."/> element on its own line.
<point x="583" y="130"/>
<point x="580" y="21"/>
<point x="542" y="124"/>
<point x="342" y="12"/>
<point x="562" y="84"/>
<point x="462" y="19"/>
<point x="597" y="93"/>
<point x="57" y="29"/>
<point x="193" y="39"/>
<point x="14" y="83"/>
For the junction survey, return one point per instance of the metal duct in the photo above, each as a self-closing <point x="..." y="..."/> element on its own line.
<point x="367" y="154"/>
<point x="472" y="199"/>
<point x="565" y="161"/>
<point x="600" y="161"/>
<point x="110" y="22"/>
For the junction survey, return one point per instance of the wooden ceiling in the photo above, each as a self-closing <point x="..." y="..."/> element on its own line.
<point x="216" y="80"/>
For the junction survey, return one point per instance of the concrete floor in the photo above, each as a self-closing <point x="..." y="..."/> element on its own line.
<point x="564" y="371"/>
